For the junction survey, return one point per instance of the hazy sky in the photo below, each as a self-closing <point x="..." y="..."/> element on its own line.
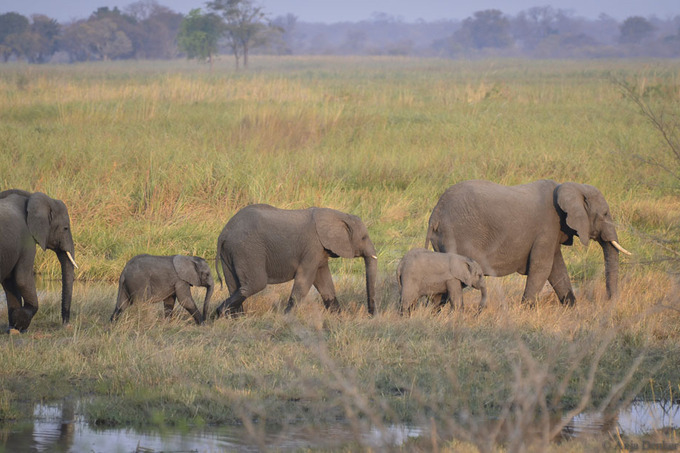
<point x="356" y="10"/>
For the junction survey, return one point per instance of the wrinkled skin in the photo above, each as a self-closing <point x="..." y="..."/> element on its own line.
<point x="26" y="219"/>
<point x="263" y="245"/>
<point x="422" y="272"/>
<point x="164" y="278"/>
<point x="521" y="229"/>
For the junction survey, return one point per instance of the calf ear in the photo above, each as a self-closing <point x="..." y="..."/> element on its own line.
<point x="469" y="276"/>
<point x="186" y="269"/>
<point x="38" y="213"/>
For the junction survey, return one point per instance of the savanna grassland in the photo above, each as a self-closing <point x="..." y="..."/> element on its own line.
<point x="156" y="157"/>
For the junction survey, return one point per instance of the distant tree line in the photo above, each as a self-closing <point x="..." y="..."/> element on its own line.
<point x="147" y="30"/>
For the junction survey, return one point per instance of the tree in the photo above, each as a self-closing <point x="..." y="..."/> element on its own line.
<point x="244" y="21"/>
<point x="635" y="29"/>
<point x="532" y="26"/>
<point x="96" y="39"/>
<point x="282" y="35"/>
<point x="488" y="28"/>
<point x="12" y="26"/>
<point x="198" y="35"/>
<point x="45" y="37"/>
<point x="157" y="29"/>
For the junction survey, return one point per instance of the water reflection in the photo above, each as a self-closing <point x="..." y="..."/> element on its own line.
<point x="639" y="418"/>
<point x="58" y="428"/>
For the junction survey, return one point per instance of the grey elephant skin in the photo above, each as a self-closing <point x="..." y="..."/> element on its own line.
<point x="27" y="219"/>
<point x="521" y="229"/>
<point x="423" y="272"/>
<point x="263" y="245"/>
<point x="164" y="278"/>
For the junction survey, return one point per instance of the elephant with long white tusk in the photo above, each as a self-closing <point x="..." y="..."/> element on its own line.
<point x="521" y="229"/>
<point x="27" y="219"/>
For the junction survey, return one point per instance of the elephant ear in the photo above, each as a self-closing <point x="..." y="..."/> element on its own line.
<point x="186" y="269"/>
<point x="334" y="231"/>
<point x="572" y="201"/>
<point x="470" y="273"/>
<point x="38" y="218"/>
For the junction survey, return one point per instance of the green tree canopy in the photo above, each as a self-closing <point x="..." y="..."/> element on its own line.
<point x="198" y="34"/>
<point x="244" y="22"/>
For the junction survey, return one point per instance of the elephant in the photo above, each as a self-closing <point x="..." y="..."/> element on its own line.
<point x="521" y="229"/>
<point x="164" y="278"/>
<point x="26" y="219"/>
<point x="422" y="272"/>
<point x="262" y="244"/>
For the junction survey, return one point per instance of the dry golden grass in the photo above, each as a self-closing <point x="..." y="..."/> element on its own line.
<point x="156" y="158"/>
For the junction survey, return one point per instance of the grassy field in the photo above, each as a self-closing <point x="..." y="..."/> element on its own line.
<point x="156" y="157"/>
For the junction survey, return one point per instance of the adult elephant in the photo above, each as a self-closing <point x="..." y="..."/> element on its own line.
<point x="26" y="219"/>
<point x="262" y="244"/>
<point x="521" y="229"/>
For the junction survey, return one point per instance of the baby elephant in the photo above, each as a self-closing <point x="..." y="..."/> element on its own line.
<point x="164" y="278"/>
<point x="422" y="272"/>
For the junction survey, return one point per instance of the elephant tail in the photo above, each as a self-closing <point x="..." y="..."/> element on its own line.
<point x="122" y="299"/>
<point x="432" y="226"/>
<point x="399" y="270"/>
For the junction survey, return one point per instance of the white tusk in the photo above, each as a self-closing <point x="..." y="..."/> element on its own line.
<point x="620" y="249"/>
<point x="374" y="257"/>
<point x="72" y="260"/>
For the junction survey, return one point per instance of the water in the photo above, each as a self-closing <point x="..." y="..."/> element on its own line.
<point x="639" y="418"/>
<point x="58" y="428"/>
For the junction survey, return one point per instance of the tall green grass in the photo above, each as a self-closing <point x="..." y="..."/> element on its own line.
<point x="155" y="158"/>
<point x="158" y="157"/>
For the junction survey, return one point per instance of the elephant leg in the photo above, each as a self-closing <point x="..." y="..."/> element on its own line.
<point x="169" y="305"/>
<point x="183" y="292"/>
<point x="559" y="280"/>
<point x="233" y="305"/>
<point x="538" y="272"/>
<point x="407" y="299"/>
<point x="324" y="284"/>
<point x="13" y="297"/>
<point x="455" y="292"/>
<point x="301" y="286"/>
<point x="26" y="287"/>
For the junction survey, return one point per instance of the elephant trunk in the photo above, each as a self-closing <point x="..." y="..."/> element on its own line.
<point x="67" y="278"/>
<point x="371" y="261"/>
<point x="611" y="268"/>
<point x="210" y="287"/>
<point x="482" y="300"/>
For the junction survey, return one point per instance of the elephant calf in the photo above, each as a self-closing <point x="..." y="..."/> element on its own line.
<point x="164" y="278"/>
<point x="425" y="273"/>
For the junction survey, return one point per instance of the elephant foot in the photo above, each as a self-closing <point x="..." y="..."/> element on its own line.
<point x="569" y="300"/>
<point x="13" y="331"/>
<point x="21" y="319"/>
<point x="228" y="313"/>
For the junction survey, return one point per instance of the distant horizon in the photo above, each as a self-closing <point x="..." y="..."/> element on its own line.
<point x="333" y="11"/>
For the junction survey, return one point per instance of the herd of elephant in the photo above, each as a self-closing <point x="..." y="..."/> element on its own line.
<point x="476" y="229"/>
